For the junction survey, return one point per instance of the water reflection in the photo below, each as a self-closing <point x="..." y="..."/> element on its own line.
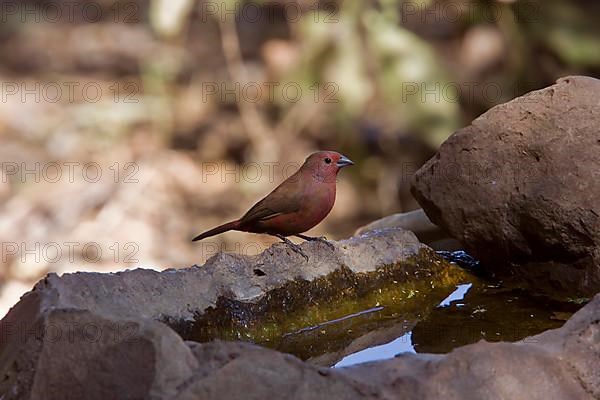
<point x="383" y="352"/>
<point x="458" y="294"/>
<point x="403" y="344"/>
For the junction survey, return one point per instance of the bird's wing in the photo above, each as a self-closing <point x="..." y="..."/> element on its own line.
<point x="283" y="200"/>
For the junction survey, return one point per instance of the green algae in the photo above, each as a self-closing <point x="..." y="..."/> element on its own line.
<point x="283" y="318"/>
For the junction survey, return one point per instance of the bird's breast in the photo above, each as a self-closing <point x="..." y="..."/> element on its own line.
<point x="316" y="202"/>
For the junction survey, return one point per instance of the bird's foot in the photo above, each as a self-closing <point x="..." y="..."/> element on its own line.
<point x="321" y="239"/>
<point x="298" y="250"/>
<point x="293" y="246"/>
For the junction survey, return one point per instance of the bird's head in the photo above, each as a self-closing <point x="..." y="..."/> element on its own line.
<point x="325" y="165"/>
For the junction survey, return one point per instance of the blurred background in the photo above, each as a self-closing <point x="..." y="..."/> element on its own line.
<point x="127" y="127"/>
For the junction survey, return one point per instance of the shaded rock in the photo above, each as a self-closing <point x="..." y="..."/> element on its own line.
<point x="520" y="187"/>
<point x="72" y="354"/>
<point x="245" y="371"/>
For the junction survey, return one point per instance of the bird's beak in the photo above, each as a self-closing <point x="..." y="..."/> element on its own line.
<point x="344" y="162"/>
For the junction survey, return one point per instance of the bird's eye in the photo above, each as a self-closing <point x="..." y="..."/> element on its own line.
<point x="328" y="160"/>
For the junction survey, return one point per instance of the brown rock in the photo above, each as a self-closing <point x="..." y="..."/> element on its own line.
<point x="72" y="354"/>
<point x="244" y="371"/>
<point x="520" y="187"/>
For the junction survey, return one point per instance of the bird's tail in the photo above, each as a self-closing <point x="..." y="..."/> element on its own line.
<point x="219" y="229"/>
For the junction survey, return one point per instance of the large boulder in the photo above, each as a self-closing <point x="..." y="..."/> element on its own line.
<point x="520" y="187"/>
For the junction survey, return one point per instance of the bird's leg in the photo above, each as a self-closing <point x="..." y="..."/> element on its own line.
<point x="292" y="245"/>
<point x="321" y="239"/>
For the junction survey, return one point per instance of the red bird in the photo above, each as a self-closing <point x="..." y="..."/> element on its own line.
<point x="296" y="205"/>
